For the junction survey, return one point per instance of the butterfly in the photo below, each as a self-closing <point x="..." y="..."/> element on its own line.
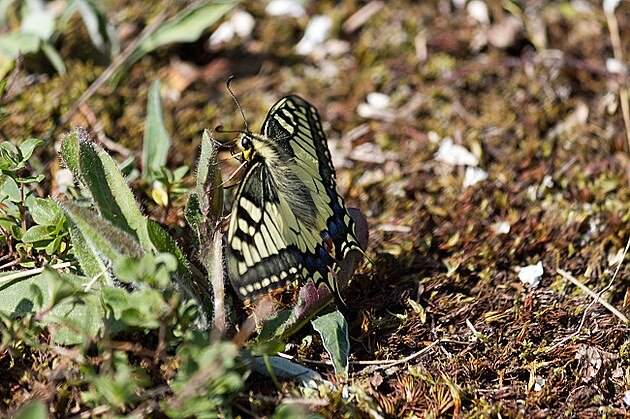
<point x="288" y="222"/>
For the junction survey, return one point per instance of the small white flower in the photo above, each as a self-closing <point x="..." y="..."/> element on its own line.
<point x="531" y="274"/>
<point x="243" y="23"/>
<point x="474" y="175"/>
<point x="615" y="66"/>
<point x="609" y="6"/>
<point x="285" y="8"/>
<point x="502" y="227"/>
<point x="478" y="10"/>
<point x="316" y="33"/>
<point x="377" y="100"/>
<point x="224" y="33"/>
<point x="455" y="154"/>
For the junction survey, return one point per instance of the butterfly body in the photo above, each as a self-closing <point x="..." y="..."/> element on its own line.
<point x="288" y="222"/>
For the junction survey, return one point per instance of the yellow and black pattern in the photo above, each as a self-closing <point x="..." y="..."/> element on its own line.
<point x="288" y="222"/>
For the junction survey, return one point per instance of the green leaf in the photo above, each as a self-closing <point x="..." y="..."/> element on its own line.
<point x="312" y="299"/>
<point x="16" y="43"/>
<point x="45" y="212"/>
<point x="187" y="26"/>
<point x="179" y="173"/>
<point x="270" y="347"/>
<point x="209" y="370"/>
<point x="54" y="57"/>
<point x="120" y="388"/>
<point x="285" y="369"/>
<point x="9" y="189"/>
<point x="70" y="154"/>
<point x="27" y="147"/>
<point x="192" y="212"/>
<point x="59" y="287"/>
<point x="163" y="242"/>
<point x="275" y="326"/>
<point x="333" y="329"/>
<point x="74" y="318"/>
<point x="10" y="157"/>
<point x="145" y="308"/>
<point x="33" y="410"/>
<point x="208" y="189"/>
<point x="40" y="22"/>
<point x="37" y="234"/>
<point x="112" y="197"/>
<point x="30" y="179"/>
<point x="53" y="247"/>
<point x="156" y="139"/>
<point x="97" y="243"/>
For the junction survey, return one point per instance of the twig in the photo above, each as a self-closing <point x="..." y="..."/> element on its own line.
<point x="595" y="299"/>
<point x="97" y="411"/>
<point x="361" y="16"/>
<point x="405" y="359"/>
<point x="385" y="363"/>
<point x="12" y="263"/>
<point x="31" y="272"/>
<point x="586" y="290"/>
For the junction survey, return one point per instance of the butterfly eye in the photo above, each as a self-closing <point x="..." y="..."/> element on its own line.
<point x="246" y="143"/>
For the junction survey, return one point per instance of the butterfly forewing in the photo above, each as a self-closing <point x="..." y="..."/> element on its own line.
<point x="288" y="221"/>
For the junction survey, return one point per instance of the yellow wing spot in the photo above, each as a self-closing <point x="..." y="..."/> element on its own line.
<point x="275" y="234"/>
<point x="255" y="255"/>
<point x="249" y="261"/>
<point x="257" y="285"/>
<point x="242" y="268"/>
<point x="275" y="279"/>
<point x="242" y="225"/>
<point x="254" y="212"/>
<point x="293" y="270"/>
<point x="283" y="275"/>
<point x="242" y="290"/>
<point x="250" y="288"/>
<point x="252" y="231"/>
<point x="271" y="245"/>
<point x="290" y="116"/>
<point x="266" y="282"/>
<point x="301" y="243"/>
<point x="260" y="246"/>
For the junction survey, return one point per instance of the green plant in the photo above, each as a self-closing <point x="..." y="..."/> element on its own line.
<point x="34" y="28"/>
<point x="18" y="206"/>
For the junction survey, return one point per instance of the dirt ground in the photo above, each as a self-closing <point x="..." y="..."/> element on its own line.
<point x="478" y="139"/>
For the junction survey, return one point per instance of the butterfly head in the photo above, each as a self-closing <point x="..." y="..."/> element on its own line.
<point x="248" y="146"/>
<point x="257" y="147"/>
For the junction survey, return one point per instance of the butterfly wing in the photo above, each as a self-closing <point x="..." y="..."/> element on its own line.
<point x="288" y="220"/>
<point x="297" y="126"/>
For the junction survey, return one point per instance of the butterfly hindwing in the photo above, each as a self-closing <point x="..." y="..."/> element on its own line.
<point x="288" y="221"/>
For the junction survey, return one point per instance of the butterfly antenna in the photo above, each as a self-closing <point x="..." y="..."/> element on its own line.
<point x="240" y="108"/>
